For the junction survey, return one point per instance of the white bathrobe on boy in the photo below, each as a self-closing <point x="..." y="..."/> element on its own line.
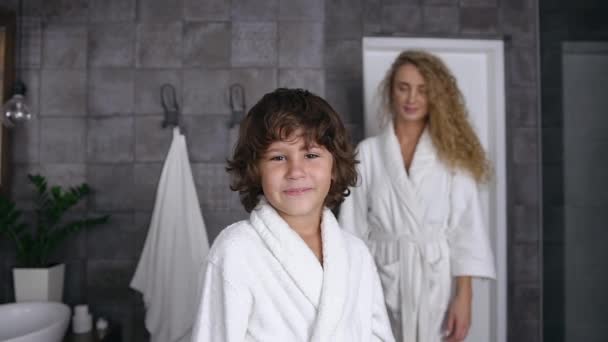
<point x="263" y="283"/>
<point x="423" y="228"/>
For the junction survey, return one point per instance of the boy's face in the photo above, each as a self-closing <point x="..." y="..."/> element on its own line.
<point x="296" y="179"/>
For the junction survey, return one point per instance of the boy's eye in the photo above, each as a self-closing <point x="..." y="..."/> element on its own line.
<point x="312" y="155"/>
<point x="277" y="158"/>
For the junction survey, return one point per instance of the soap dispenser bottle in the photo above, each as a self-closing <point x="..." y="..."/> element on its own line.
<point x="82" y="321"/>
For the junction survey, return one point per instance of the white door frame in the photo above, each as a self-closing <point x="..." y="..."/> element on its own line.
<point x="378" y="53"/>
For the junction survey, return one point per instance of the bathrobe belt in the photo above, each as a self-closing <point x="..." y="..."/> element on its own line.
<point x="415" y="280"/>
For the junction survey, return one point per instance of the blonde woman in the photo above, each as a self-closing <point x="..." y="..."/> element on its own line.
<point x="417" y="203"/>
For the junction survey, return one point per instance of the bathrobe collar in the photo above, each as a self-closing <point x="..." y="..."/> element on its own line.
<point x="424" y="153"/>
<point x="407" y="183"/>
<point x="324" y="286"/>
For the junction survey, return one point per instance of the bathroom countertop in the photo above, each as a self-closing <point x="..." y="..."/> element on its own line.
<point x="113" y="335"/>
<point x="87" y="337"/>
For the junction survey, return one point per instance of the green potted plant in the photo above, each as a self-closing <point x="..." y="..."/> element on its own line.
<point x="34" y="277"/>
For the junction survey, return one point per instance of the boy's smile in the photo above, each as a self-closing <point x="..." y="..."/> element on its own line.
<point x="296" y="191"/>
<point x="296" y="178"/>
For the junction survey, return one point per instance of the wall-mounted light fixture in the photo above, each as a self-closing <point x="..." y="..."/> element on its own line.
<point x="16" y="109"/>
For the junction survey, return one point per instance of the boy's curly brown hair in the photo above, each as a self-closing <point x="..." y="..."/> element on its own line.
<point x="276" y="117"/>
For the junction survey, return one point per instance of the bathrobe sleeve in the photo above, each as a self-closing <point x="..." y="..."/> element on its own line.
<point x="470" y="250"/>
<point x="353" y="211"/>
<point x="224" y="309"/>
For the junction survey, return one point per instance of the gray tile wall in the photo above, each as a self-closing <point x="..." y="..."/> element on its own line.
<point x="94" y="67"/>
<point x="559" y="21"/>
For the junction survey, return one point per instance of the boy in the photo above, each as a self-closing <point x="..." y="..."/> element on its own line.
<point x="289" y="273"/>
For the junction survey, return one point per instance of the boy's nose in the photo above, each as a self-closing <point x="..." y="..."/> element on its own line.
<point x="295" y="170"/>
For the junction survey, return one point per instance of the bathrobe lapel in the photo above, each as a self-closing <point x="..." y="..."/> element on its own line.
<point x="335" y="282"/>
<point x="423" y="241"/>
<point x="290" y="250"/>
<point x="408" y="185"/>
<point x="325" y="287"/>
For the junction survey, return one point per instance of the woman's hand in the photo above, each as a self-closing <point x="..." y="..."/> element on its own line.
<point x="458" y="318"/>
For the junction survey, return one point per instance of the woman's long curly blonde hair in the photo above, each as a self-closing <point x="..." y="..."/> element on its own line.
<point x="452" y="135"/>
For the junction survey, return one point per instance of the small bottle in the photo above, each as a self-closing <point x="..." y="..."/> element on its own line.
<point x="102" y="328"/>
<point x="82" y="322"/>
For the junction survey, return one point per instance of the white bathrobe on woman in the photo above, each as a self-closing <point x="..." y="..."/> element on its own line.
<point x="263" y="283"/>
<point x="423" y="228"/>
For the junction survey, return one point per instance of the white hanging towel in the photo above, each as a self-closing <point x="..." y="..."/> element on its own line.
<point x="173" y="256"/>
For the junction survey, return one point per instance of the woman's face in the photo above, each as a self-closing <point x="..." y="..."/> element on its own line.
<point x="409" y="94"/>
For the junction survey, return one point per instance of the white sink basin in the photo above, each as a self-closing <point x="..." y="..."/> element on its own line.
<point x="33" y="322"/>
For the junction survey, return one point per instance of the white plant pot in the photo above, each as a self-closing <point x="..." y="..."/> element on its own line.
<point x="39" y="284"/>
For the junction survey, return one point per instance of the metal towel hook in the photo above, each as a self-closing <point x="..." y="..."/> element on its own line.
<point x="168" y="100"/>
<point x="237" y="104"/>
